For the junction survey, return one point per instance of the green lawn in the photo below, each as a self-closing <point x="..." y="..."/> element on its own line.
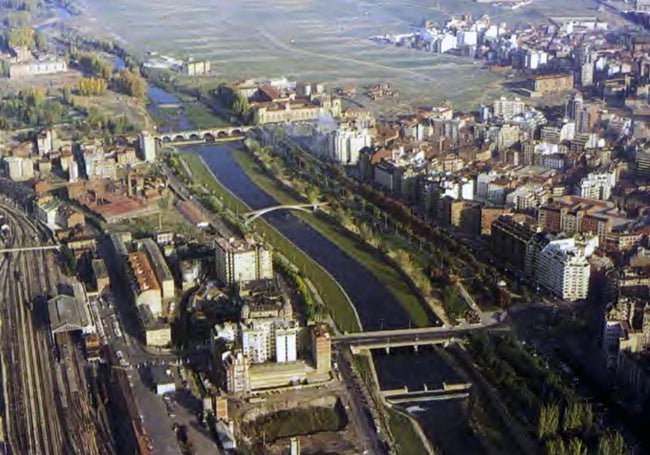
<point x="335" y="234"/>
<point x="330" y="291"/>
<point x="407" y="440"/>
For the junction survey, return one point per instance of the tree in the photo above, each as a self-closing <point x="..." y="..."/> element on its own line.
<point x="572" y="418"/>
<point x="555" y="447"/>
<point x="91" y="86"/>
<point x="549" y="420"/>
<point x="577" y="447"/>
<point x="69" y="261"/>
<point x="40" y="40"/>
<point x="132" y="84"/>
<point x="67" y="95"/>
<point x="20" y="37"/>
<point x="94" y="66"/>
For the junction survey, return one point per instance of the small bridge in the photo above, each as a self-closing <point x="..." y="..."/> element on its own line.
<point x="209" y="135"/>
<point x="21" y="249"/>
<point x="249" y="217"/>
<point x="446" y="392"/>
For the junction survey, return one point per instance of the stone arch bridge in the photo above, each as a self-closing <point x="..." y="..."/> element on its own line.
<point x="209" y="135"/>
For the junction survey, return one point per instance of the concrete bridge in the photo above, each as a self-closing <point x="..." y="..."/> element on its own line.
<point x="21" y="249"/>
<point x="446" y="392"/>
<point x="424" y="336"/>
<point x="249" y="217"/>
<point x="209" y="135"/>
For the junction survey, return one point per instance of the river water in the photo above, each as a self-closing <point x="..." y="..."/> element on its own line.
<point x="443" y="422"/>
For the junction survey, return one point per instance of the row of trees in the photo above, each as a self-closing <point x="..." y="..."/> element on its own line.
<point x="17" y="18"/>
<point x="563" y="422"/>
<point x="235" y="101"/>
<point x="577" y="417"/>
<point x="131" y="83"/>
<point x="297" y="281"/>
<point x="91" y="86"/>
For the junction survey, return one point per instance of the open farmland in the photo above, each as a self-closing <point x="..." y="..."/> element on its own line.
<point x="315" y="40"/>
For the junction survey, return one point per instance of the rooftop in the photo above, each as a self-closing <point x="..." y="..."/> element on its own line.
<point x="68" y="314"/>
<point x="143" y="272"/>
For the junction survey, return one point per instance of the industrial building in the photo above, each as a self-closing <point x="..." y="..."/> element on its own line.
<point x="145" y="287"/>
<point x="70" y="313"/>
<point x="160" y="269"/>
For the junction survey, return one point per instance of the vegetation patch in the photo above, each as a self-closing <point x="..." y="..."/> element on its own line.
<point x="295" y="422"/>
<point x="560" y="420"/>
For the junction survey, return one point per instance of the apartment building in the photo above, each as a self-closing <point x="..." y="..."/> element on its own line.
<point x="240" y="261"/>
<point x="563" y="267"/>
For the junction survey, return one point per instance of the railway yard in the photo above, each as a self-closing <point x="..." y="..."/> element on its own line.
<point x="47" y="403"/>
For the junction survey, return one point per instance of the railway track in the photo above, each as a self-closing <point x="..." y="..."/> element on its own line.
<point x="33" y="418"/>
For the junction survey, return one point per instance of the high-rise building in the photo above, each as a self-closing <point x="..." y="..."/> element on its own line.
<point x="574" y="104"/>
<point x="504" y="108"/>
<point x="147" y="146"/>
<point x="596" y="185"/>
<point x="285" y="342"/>
<point x="237" y="372"/>
<point x="345" y="144"/>
<point x="240" y="261"/>
<point x="19" y="168"/>
<point x="642" y="163"/>
<point x="563" y="267"/>
<point x="321" y="345"/>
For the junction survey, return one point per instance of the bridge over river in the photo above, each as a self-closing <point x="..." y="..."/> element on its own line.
<point x="422" y="336"/>
<point x="207" y="135"/>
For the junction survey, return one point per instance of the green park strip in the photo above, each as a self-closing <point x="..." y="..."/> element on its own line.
<point x="330" y="291"/>
<point x="362" y="253"/>
<point x="406" y="438"/>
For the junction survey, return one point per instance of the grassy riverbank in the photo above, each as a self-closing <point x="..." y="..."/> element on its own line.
<point x="334" y="297"/>
<point x="384" y="272"/>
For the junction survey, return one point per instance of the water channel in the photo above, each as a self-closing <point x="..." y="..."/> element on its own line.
<point x="443" y="422"/>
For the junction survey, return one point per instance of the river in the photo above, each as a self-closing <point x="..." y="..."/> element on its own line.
<point x="443" y="422"/>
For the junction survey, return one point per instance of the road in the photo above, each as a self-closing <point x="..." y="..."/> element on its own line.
<point x="358" y="409"/>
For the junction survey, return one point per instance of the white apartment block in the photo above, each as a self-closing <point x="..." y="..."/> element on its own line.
<point x="596" y="185"/>
<point x="270" y="340"/>
<point x="563" y="267"/>
<point x="527" y="196"/>
<point x="506" y="109"/>
<point x="346" y="143"/>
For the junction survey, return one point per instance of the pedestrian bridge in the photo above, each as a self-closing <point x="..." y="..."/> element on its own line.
<point x="208" y="135"/>
<point x="249" y="217"/>
<point x="20" y="249"/>
<point x="422" y="336"/>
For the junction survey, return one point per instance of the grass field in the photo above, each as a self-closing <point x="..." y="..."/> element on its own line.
<point x="311" y="40"/>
